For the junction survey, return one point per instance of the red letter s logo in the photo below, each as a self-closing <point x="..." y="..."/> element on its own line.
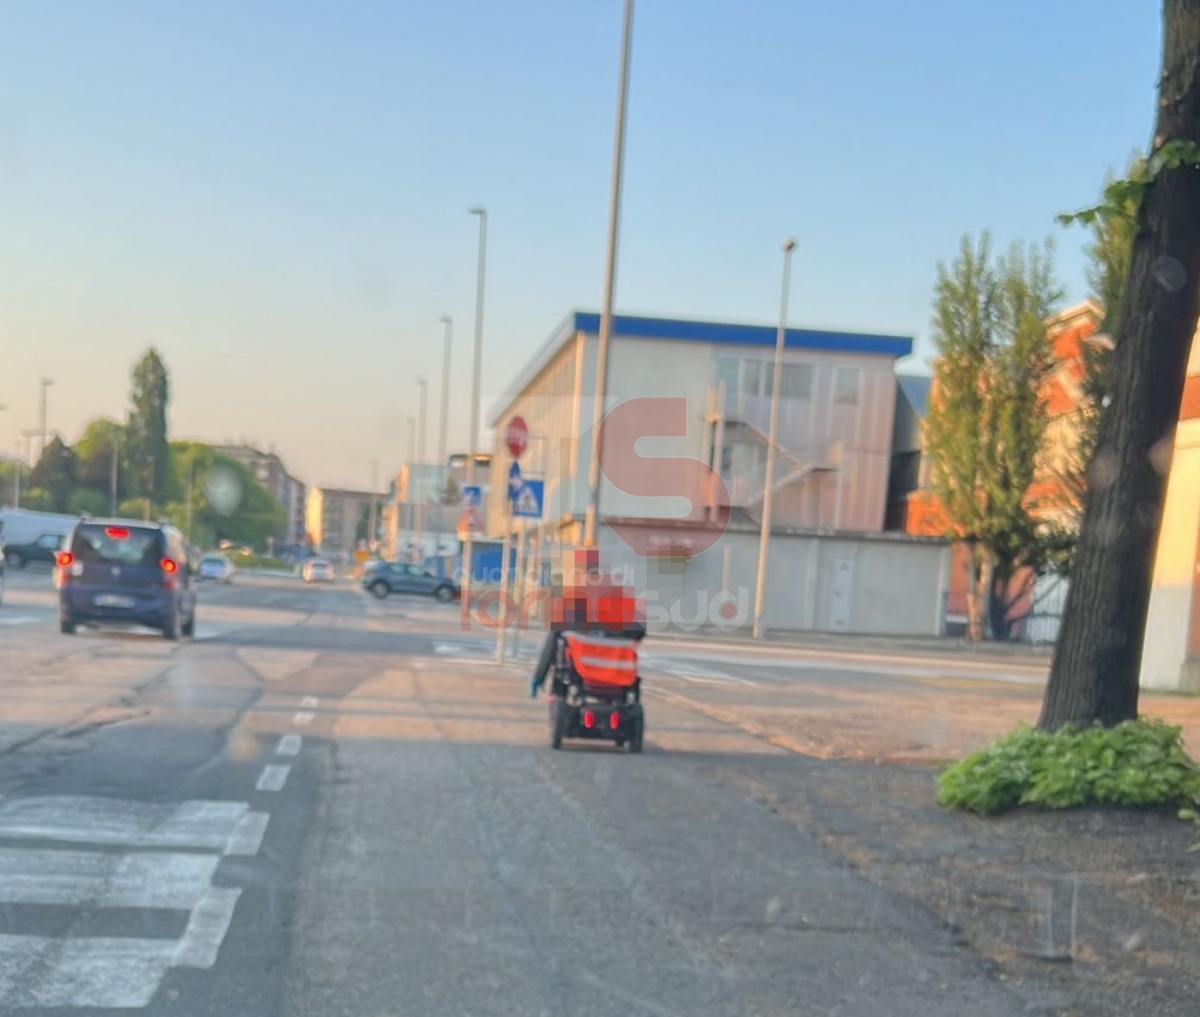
<point x="660" y="476"/>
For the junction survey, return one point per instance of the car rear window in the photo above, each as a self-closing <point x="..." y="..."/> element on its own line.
<point x="129" y="545"/>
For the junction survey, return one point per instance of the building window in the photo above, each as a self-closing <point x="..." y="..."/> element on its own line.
<point x="751" y="376"/>
<point x="727" y="372"/>
<point x="794" y="383"/>
<point x="845" y="386"/>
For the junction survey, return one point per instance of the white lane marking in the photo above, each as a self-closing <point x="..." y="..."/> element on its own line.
<point x="96" y="879"/>
<point x="696" y="679"/>
<point x="248" y="834"/>
<point x="304" y="717"/>
<point x="108" y="973"/>
<point x="453" y="649"/>
<point x="693" y="673"/>
<point x="289" y="745"/>
<point x="18" y="619"/>
<point x="309" y="702"/>
<point x="79" y="819"/>
<point x="115" y="972"/>
<point x="206" y="928"/>
<point x="273" y="777"/>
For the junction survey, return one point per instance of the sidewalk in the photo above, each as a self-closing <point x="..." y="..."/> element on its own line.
<point x="1100" y="904"/>
<point x="889" y="644"/>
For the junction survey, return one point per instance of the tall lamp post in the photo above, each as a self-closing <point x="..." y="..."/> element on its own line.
<point x="46" y="383"/>
<point x="445" y="418"/>
<point x="421" y="462"/>
<point x="473" y="440"/>
<point x="764" y="539"/>
<point x="610" y="280"/>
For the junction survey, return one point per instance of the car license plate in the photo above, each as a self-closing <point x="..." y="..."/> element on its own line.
<point x="113" y="600"/>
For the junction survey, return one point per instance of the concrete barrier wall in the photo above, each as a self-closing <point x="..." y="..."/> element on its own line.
<point x="867" y="584"/>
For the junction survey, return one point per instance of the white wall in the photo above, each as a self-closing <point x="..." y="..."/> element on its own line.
<point x="816" y="429"/>
<point x="895" y="584"/>
<point x="1165" y="648"/>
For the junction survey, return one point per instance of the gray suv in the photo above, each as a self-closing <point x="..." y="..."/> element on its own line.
<point x="397" y="577"/>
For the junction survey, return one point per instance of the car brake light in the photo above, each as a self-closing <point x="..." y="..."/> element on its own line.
<point x="614" y="720"/>
<point x="589" y="720"/>
<point x="116" y="532"/>
<point x="63" y="559"/>
<point x="168" y="566"/>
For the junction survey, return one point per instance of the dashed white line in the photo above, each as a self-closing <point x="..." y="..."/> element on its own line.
<point x="309" y="702"/>
<point x="273" y="777"/>
<point x="206" y="928"/>
<point x="248" y="834"/>
<point x="289" y="745"/>
<point x="303" y="717"/>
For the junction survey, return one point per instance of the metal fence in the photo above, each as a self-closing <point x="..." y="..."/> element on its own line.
<point x="1045" y="615"/>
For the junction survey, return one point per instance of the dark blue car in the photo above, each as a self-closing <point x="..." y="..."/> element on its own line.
<point x="129" y="573"/>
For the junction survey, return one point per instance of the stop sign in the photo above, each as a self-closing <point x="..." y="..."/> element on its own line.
<point x="516" y="436"/>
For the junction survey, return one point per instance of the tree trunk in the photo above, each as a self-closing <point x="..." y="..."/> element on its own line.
<point x="1094" y="675"/>
<point x="979" y="586"/>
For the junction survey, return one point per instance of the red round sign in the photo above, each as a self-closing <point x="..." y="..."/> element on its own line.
<point x="515" y="436"/>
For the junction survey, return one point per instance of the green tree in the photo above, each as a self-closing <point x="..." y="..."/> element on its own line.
<point x="94" y="458"/>
<point x="10" y="470"/>
<point x="986" y="416"/>
<point x="147" y="428"/>
<point x="37" y="499"/>
<point x="1094" y="674"/>
<point x="55" y="473"/>
<point x="1108" y="253"/>
<point x="85" y="500"/>
<point x="200" y="476"/>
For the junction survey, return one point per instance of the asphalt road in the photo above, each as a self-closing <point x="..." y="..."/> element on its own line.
<point x="324" y="805"/>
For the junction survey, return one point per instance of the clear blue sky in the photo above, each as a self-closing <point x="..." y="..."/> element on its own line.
<point x="275" y="193"/>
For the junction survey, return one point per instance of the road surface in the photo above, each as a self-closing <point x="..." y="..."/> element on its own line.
<point x="325" y="805"/>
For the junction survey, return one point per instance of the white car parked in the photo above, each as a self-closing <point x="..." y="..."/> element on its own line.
<point x="216" y="567"/>
<point x="317" y="570"/>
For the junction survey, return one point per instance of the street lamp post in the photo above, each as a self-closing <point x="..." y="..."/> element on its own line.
<point x="764" y="539"/>
<point x="46" y="383"/>
<point x="187" y="532"/>
<point x="444" y="422"/>
<point x="420" y="463"/>
<point x="112" y="476"/>
<point x="610" y="280"/>
<point x="374" y="501"/>
<point x="473" y="440"/>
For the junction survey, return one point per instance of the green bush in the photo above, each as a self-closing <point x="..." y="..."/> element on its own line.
<point x="1140" y="763"/>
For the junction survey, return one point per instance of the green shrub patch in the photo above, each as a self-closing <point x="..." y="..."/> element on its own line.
<point x="1139" y="763"/>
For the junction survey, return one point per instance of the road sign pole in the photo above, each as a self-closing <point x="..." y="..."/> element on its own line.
<point x="519" y="584"/>
<point x="502" y="627"/>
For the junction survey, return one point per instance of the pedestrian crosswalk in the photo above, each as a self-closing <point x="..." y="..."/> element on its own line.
<point x="129" y="858"/>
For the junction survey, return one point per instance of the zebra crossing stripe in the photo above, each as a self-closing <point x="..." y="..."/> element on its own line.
<point x="99" y="879"/>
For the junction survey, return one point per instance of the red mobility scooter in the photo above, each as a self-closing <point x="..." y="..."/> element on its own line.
<point x="595" y="691"/>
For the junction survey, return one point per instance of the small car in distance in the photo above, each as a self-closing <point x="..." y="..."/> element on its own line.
<point x="398" y="577"/>
<point x="126" y="573"/>
<point x="317" y="570"/>
<point x="215" y="567"/>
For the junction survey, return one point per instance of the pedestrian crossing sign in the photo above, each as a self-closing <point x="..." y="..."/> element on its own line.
<point x="528" y="501"/>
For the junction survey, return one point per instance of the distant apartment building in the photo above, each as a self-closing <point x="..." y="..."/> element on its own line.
<point x="269" y="470"/>
<point x="333" y="517"/>
<point x="424" y="507"/>
<point x="833" y="448"/>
